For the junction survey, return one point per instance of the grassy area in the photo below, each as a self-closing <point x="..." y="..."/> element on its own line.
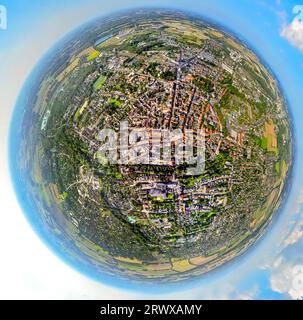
<point x="100" y="82"/>
<point x="95" y="54"/>
<point x="63" y="196"/>
<point x="80" y="111"/>
<point x="269" y="139"/>
<point x="115" y="103"/>
<point x="74" y="63"/>
<point x="283" y="168"/>
<point x="211" y="214"/>
<point x="77" y="115"/>
<point x="277" y="167"/>
<point x="264" y="143"/>
<point x="182" y="265"/>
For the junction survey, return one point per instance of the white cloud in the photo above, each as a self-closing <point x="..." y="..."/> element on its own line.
<point x="291" y="244"/>
<point x="295" y="236"/>
<point x="282" y="269"/>
<point x="282" y="279"/>
<point x="293" y="33"/>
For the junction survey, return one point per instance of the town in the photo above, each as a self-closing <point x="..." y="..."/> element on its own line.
<point x="164" y="141"/>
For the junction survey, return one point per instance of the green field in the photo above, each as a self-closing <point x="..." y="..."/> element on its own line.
<point x="264" y="143"/>
<point x="100" y="82"/>
<point x="95" y="54"/>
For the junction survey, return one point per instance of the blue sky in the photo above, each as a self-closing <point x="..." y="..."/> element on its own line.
<point x="266" y="271"/>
